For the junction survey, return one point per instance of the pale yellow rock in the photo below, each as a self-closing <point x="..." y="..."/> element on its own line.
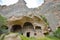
<point x="12" y="36"/>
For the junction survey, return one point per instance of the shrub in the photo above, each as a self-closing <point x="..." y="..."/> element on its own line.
<point x="2" y="24"/>
<point x="57" y="33"/>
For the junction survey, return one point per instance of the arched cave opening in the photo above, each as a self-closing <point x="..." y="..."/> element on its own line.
<point x="28" y="25"/>
<point x="16" y="28"/>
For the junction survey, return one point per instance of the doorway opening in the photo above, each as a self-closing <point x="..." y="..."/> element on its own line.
<point x="28" y="34"/>
<point x="21" y="33"/>
<point x="35" y="34"/>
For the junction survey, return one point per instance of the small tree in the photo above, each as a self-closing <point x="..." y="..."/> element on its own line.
<point x="2" y="24"/>
<point x="2" y="20"/>
<point x="57" y="33"/>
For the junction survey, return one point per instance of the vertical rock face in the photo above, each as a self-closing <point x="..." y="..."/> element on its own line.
<point x="57" y="14"/>
<point x="51" y="11"/>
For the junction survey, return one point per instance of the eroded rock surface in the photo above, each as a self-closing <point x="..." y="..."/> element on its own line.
<point x="12" y="36"/>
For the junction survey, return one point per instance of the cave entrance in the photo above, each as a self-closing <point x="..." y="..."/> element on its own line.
<point x="28" y="25"/>
<point x="16" y="28"/>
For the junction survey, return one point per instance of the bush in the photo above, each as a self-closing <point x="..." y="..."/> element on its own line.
<point x="40" y="38"/>
<point x="2" y="24"/>
<point x="57" y="33"/>
<point x="2" y="20"/>
<point x="32" y="38"/>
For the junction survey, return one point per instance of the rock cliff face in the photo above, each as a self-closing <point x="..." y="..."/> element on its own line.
<point x="51" y="9"/>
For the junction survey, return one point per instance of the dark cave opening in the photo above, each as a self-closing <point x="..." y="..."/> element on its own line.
<point x="16" y="28"/>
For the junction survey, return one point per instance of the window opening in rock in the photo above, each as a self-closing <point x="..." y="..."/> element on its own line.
<point x="37" y="27"/>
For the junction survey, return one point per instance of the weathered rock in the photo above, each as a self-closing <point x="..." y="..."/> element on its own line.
<point x="12" y="36"/>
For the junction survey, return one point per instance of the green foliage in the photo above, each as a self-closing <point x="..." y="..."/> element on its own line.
<point x="57" y="33"/>
<point x="32" y="38"/>
<point x="2" y="24"/>
<point x="44" y="18"/>
<point x="52" y="37"/>
<point x="27" y="38"/>
<point x="2" y="20"/>
<point x="2" y="36"/>
<point x="4" y="29"/>
<point x="40" y="38"/>
<point x="24" y="38"/>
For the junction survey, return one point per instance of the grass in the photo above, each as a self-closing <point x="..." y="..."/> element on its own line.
<point x="40" y="38"/>
<point x="33" y="38"/>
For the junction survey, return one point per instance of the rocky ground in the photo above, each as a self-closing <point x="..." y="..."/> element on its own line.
<point x="12" y="36"/>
